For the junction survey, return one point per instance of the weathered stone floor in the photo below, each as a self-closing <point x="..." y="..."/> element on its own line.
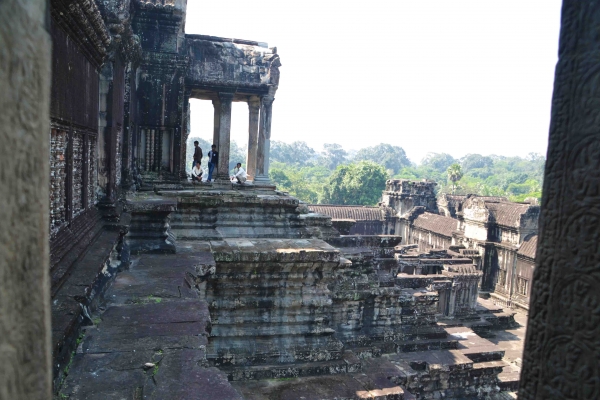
<point x="512" y="341"/>
<point x="149" y="341"/>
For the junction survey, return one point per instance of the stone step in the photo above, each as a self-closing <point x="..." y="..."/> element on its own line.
<point x="423" y="345"/>
<point x="484" y="353"/>
<point x="289" y="300"/>
<point x="243" y="317"/>
<point x="328" y="387"/>
<point x="271" y="329"/>
<point x="347" y="364"/>
<point x="276" y="349"/>
<point x="509" y="380"/>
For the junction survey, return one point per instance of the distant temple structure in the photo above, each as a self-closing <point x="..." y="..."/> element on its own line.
<point x="498" y="235"/>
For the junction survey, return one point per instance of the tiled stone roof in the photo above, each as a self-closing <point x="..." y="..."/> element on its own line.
<point x="357" y="213"/>
<point x="507" y="213"/>
<point x="529" y="247"/>
<point x="436" y="223"/>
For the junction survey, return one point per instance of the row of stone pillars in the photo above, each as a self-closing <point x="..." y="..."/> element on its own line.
<point x="259" y="135"/>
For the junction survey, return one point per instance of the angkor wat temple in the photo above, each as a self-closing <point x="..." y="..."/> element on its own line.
<point x="122" y="280"/>
<point x="498" y="235"/>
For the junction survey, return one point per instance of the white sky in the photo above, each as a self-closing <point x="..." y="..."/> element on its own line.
<point x="454" y="76"/>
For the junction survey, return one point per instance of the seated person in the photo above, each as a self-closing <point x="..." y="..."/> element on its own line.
<point x="239" y="174"/>
<point x="197" y="173"/>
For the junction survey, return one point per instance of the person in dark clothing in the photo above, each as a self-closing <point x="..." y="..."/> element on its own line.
<point x="213" y="160"/>
<point x="197" y="154"/>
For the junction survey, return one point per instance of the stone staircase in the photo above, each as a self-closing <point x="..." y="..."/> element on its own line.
<point x="210" y="214"/>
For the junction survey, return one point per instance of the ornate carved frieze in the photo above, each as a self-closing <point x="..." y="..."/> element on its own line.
<point x="58" y="178"/>
<point x="78" y="163"/>
<point x="92" y="169"/>
<point x="83" y="22"/>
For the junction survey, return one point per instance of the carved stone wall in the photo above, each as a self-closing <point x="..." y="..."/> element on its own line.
<point x="562" y="346"/>
<point x="220" y="62"/>
<point x="58" y="177"/>
<point x="25" y="370"/>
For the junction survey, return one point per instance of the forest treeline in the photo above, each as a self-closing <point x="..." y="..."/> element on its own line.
<point x="338" y="176"/>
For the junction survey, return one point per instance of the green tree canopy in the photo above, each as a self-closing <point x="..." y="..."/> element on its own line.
<point x="475" y="161"/>
<point x="438" y="161"/>
<point x="333" y="155"/>
<point x="297" y="153"/>
<point x="391" y="157"/>
<point x="355" y="183"/>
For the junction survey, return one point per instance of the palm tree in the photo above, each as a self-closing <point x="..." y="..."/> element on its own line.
<point x="454" y="172"/>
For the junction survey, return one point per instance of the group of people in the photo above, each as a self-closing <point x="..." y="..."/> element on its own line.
<point x="239" y="176"/>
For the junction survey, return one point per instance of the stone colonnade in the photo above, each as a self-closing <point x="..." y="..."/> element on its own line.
<point x="259" y="135"/>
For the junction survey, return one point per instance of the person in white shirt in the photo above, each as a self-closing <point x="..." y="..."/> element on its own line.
<point x="197" y="173"/>
<point x="239" y="173"/>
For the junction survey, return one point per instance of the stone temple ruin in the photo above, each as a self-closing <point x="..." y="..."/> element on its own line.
<point x="163" y="290"/>
<point x="499" y="236"/>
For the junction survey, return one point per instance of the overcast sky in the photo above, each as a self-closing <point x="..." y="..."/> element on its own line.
<point x="454" y="76"/>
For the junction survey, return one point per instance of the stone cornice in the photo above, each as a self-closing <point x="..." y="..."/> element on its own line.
<point x="82" y="21"/>
<point x="123" y="40"/>
<point x="154" y="63"/>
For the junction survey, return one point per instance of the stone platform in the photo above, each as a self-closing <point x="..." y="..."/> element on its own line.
<point x="270" y="303"/>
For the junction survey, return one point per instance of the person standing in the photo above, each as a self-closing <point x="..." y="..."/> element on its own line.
<point x="197" y="154"/>
<point x="240" y="174"/>
<point x="213" y="160"/>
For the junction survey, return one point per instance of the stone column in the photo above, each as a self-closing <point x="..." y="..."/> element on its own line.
<point x="253" y="112"/>
<point x="562" y="345"/>
<point x="264" y="141"/>
<point x="25" y="61"/>
<point x="224" y="131"/>
<point x="217" y="122"/>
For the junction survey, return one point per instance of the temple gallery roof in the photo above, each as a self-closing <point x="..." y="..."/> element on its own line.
<point x="436" y="223"/>
<point x="357" y="213"/>
<point x="507" y="213"/>
<point x="529" y="247"/>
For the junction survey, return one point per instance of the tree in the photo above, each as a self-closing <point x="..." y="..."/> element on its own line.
<point x="305" y="183"/>
<point x="438" y="161"/>
<point x="391" y="157"/>
<point x="454" y="174"/>
<point x="355" y="183"/>
<point x="297" y="153"/>
<point x="475" y="161"/>
<point x="333" y="155"/>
